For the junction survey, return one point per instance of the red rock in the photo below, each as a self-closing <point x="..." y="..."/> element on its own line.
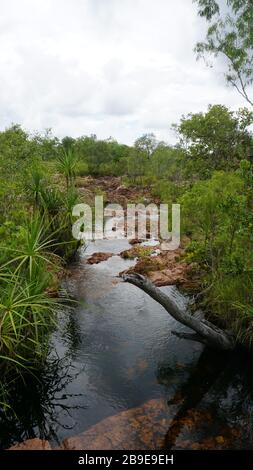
<point x="141" y="428"/>
<point x="99" y="257"/>
<point x="32" y="444"/>
<point x="134" y="241"/>
<point x="167" y="268"/>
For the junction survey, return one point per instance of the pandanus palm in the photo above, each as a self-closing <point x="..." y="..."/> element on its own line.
<point x="26" y="312"/>
<point x="35" y="186"/>
<point x="67" y="164"/>
<point x="26" y="309"/>
<point x="36" y="248"/>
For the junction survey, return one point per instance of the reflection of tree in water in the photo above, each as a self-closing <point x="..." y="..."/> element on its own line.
<point x="234" y="393"/>
<point x="225" y="383"/>
<point x="70" y="332"/>
<point x="38" y="405"/>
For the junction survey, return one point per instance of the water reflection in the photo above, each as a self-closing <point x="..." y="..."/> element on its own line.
<point x="115" y="352"/>
<point x="214" y="405"/>
<point x="39" y="404"/>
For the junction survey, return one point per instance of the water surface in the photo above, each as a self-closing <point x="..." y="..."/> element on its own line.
<point x="115" y="351"/>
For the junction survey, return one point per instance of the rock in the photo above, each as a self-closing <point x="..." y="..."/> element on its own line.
<point x="134" y="241"/>
<point x="163" y="268"/>
<point x="150" y="426"/>
<point x="174" y="276"/>
<point x="99" y="257"/>
<point x="141" y="428"/>
<point x="137" y="251"/>
<point x="32" y="444"/>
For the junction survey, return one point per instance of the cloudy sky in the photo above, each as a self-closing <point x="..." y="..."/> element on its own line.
<point x="111" y="67"/>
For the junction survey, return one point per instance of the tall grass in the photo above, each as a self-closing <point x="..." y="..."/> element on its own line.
<point x="231" y="298"/>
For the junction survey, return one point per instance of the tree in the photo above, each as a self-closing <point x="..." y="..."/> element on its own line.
<point x="147" y="144"/>
<point x="136" y="165"/>
<point x="230" y="33"/>
<point x="15" y="145"/>
<point x="205" y="331"/>
<point x="47" y="145"/>
<point x="217" y="139"/>
<point x="68" y="143"/>
<point x="166" y="163"/>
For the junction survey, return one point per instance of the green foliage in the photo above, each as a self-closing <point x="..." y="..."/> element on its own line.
<point x="50" y="201"/>
<point x="34" y="250"/>
<point x="35" y="228"/>
<point x="100" y="157"/>
<point x="146" y="144"/>
<point x="215" y="140"/>
<point x="167" y="191"/>
<point x="167" y="163"/>
<point x="230" y="34"/>
<point x="218" y="211"/>
<point x="34" y="186"/>
<point x="137" y="166"/>
<point x="47" y="146"/>
<point x="26" y="310"/>
<point x="67" y="165"/>
<point x="218" y="214"/>
<point x="209" y="172"/>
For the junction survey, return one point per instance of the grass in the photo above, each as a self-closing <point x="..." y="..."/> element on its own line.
<point x="230" y="298"/>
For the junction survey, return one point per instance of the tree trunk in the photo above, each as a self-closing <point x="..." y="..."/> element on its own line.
<point x="205" y="332"/>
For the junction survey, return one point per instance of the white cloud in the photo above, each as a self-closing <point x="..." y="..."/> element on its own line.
<point x="114" y="68"/>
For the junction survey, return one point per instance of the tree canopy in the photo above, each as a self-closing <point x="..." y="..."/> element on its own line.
<point x="230" y="34"/>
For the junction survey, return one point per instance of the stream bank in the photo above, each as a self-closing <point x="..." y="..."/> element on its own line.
<point x="116" y="378"/>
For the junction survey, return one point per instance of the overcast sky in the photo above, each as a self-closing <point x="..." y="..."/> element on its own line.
<point x="116" y="68"/>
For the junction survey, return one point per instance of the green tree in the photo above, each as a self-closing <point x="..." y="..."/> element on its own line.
<point x="230" y="34"/>
<point x="47" y="145"/>
<point x="68" y="143"/>
<point x="217" y="139"/>
<point x="147" y="144"/>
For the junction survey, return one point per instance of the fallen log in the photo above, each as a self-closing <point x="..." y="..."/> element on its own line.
<point x="205" y="331"/>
